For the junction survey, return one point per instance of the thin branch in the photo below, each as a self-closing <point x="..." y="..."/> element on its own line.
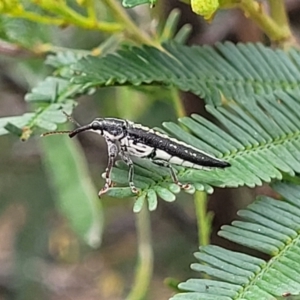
<point x="145" y="256"/>
<point x="31" y="16"/>
<point x="70" y="16"/>
<point x="132" y="30"/>
<point x="278" y="13"/>
<point x="203" y="218"/>
<point x="255" y="11"/>
<point x="91" y="10"/>
<point x="177" y="101"/>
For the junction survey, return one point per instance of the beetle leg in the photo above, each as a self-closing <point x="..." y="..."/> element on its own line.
<point x="125" y="157"/>
<point x="163" y="163"/>
<point x="112" y="154"/>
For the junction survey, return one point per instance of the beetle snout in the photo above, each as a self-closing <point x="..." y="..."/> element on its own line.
<point x="80" y="129"/>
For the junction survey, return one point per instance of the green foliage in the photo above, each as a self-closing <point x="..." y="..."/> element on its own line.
<point x="24" y="32"/>
<point x="259" y="129"/>
<point x="18" y="121"/>
<point x="235" y="71"/>
<point x="256" y="130"/>
<point x="50" y="97"/>
<point x="270" y="226"/>
<point x="75" y="195"/>
<point x="51" y="12"/>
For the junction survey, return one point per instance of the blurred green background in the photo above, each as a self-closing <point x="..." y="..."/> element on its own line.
<point x="58" y="241"/>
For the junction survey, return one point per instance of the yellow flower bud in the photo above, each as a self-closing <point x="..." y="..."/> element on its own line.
<point x="205" y="8"/>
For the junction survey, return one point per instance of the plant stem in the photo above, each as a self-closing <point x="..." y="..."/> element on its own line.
<point x="36" y="18"/>
<point x="91" y="10"/>
<point x="203" y="219"/>
<point x="178" y="106"/>
<point x="254" y="10"/>
<point x="145" y="256"/>
<point x="132" y="30"/>
<point x="276" y="26"/>
<point x="72" y="17"/>
<point x="292" y="179"/>
<point x="66" y="16"/>
<point x="278" y="13"/>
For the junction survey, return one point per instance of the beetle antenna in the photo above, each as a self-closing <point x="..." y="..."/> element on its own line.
<point x="71" y="119"/>
<point x="55" y="132"/>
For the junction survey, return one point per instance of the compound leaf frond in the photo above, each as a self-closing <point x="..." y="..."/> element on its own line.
<point x="240" y="276"/>
<point x="235" y="70"/>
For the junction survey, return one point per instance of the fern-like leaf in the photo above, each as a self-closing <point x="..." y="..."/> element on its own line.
<point x="235" y="70"/>
<point x="269" y="225"/>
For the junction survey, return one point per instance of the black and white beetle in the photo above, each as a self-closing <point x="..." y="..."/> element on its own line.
<point x="129" y="139"/>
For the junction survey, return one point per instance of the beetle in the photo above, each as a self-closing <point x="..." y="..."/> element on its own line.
<point x="128" y="139"/>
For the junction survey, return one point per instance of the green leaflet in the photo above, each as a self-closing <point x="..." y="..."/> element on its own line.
<point x="46" y="117"/>
<point x="240" y="276"/>
<point x="18" y="121"/>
